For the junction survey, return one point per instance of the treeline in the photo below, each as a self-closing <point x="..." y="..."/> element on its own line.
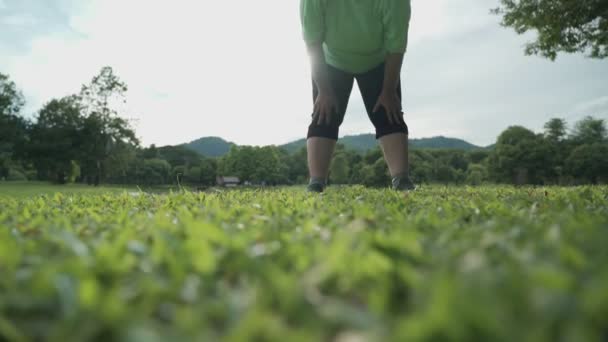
<point x="556" y="156"/>
<point x="83" y="138"/>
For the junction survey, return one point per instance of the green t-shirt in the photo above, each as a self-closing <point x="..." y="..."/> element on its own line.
<point x="356" y="34"/>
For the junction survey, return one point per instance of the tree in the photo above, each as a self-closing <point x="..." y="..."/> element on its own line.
<point x="193" y="175"/>
<point x="476" y="174"/>
<point x="562" y="25"/>
<point x="555" y="136"/>
<point x="520" y="156"/>
<point x="13" y="127"/>
<point x="421" y="166"/>
<point x="589" y="131"/>
<point x="238" y="162"/>
<point x="444" y="173"/>
<point x="55" y="140"/>
<point x="375" y="174"/>
<point x="297" y="167"/>
<point x="119" y="162"/>
<point x="457" y="160"/>
<point x="150" y="152"/>
<point x="339" y="173"/>
<point x="104" y="130"/>
<point x="11" y="99"/>
<point x="154" y="172"/>
<point x="179" y="173"/>
<point x="589" y="163"/>
<point x="555" y="130"/>
<point x="477" y="156"/>
<point x="177" y="155"/>
<point x="208" y="171"/>
<point x="267" y="165"/>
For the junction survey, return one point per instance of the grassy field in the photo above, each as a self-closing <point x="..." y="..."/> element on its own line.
<point x="353" y="264"/>
<point x="29" y="189"/>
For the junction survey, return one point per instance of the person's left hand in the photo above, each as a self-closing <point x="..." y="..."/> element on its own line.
<point x="392" y="105"/>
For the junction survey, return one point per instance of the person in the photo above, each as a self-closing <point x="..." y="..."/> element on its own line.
<point x="363" y="40"/>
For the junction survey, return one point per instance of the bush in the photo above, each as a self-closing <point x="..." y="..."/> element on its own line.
<point x="15" y="175"/>
<point x="31" y="175"/>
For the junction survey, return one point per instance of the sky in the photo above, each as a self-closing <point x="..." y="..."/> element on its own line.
<point x="238" y="69"/>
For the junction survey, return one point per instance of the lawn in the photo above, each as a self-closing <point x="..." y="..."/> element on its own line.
<point x="29" y="189"/>
<point x="491" y="263"/>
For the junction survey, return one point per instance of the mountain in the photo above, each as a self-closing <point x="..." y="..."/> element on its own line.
<point x="360" y="143"/>
<point x="217" y="147"/>
<point x="441" y="142"/>
<point x="364" y="142"/>
<point x="210" y="146"/>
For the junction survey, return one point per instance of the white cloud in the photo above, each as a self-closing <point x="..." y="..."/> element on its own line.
<point x="238" y="69"/>
<point x="596" y="107"/>
<point x="599" y="103"/>
<point x="18" y="20"/>
<point x="220" y="70"/>
<point x="438" y="19"/>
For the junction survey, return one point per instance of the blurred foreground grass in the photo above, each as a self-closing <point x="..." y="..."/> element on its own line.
<point x="354" y="264"/>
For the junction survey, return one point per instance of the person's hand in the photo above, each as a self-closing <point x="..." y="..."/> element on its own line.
<point x="326" y="105"/>
<point x="392" y="105"/>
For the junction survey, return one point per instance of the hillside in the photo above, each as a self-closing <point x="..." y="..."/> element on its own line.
<point x="364" y="142"/>
<point x="441" y="142"/>
<point x="217" y="147"/>
<point x="210" y="146"/>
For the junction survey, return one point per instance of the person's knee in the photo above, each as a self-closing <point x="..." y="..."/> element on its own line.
<point x="388" y="128"/>
<point x="323" y="131"/>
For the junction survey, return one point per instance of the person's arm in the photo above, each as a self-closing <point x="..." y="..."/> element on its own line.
<point x="312" y="16"/>
<point x="392" y="71"/>
<point x="319" y="67"/>
<point x="396" y="19"/>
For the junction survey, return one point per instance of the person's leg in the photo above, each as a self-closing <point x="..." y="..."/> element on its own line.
<point x="321" y="139"/>
<point x="320" y="150"/>
<point x="395" y="149"/>
<point x="393" y="137"/>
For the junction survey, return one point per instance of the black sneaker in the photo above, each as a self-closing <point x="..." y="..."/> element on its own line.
<point x="315" y="187"/>
<point x="403" y="184"/>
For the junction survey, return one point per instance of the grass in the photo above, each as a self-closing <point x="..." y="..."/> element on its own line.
<point x="354" y="264"/>
<point x="29" y="189"/>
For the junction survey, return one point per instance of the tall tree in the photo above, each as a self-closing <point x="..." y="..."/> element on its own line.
<point x="562" y="25"/>
<point x="120" y="162"/>
<point x="11" y="99"/>
<point x="555" y="136"/>
<point x="519" y="156"/>
<point x="556" y="129"/>
<point x="56" y="139"/>
<point x="589" y="131"/>
<point x="104" y="129"/>
<point x="12" y="125"/>
<point x="589" y="163"/>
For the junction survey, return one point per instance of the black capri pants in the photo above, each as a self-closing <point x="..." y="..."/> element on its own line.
<point x="371" y="84"/>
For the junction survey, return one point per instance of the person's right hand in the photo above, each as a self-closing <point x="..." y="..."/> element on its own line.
<point x="326" y="105"/>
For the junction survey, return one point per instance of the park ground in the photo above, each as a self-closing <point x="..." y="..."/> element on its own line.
<point x="489" y="263"/>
